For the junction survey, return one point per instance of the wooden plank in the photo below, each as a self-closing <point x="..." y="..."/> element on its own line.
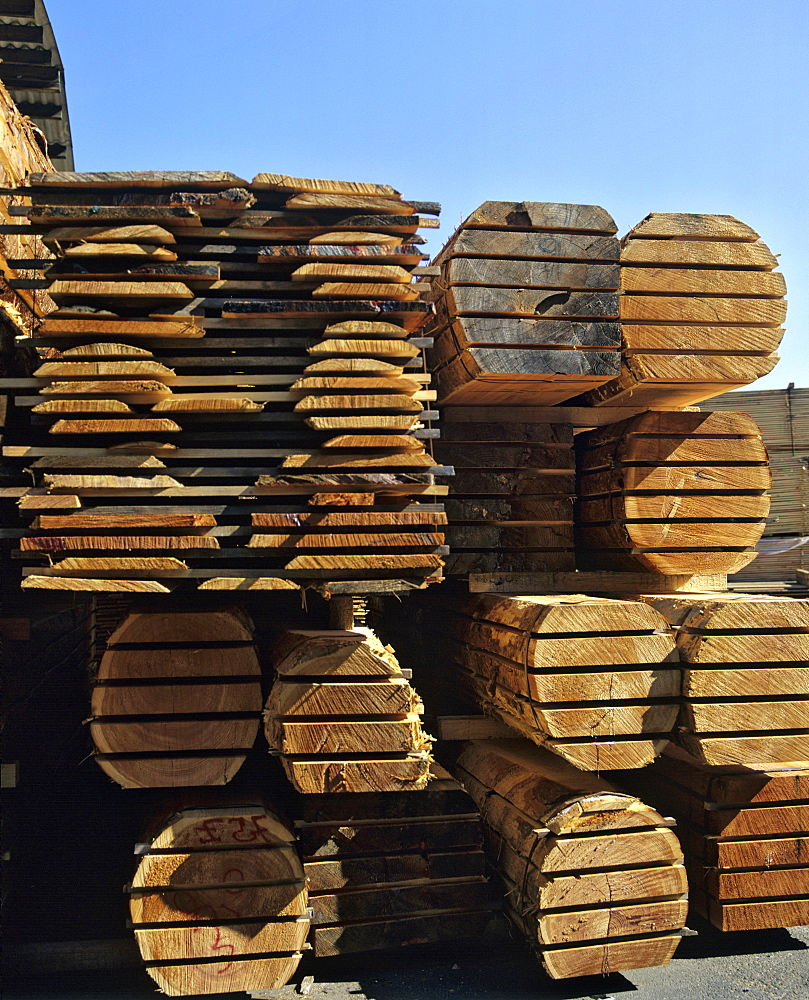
<point x="211" y="180"/>
<point x="591" y="582"/>
<point x="760" y="914"/>
<point x="294" y="185"/>
<point x="367" y="775"/>
<point x="675" y="225"/>
<point x="116" y="586"/>
<point x="471" y="727"/>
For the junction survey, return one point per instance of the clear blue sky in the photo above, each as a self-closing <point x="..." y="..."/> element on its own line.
<point x="636" y="105"/>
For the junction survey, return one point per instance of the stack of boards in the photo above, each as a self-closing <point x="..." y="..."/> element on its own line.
<point x="510" y="502"/>
<point x="177" y="699"/>
<point x="396" y="869"/>
<point x="701" y="311"/>
<point x="593" y="876"/>
<point x="672" y="493"/>
<point x="745" y="683"/>
<point x="218" y="902"/>
<point x="530" y="296"/>
<point x="744" y="831"/>
<point x="526" y="304"/>
<point x="596" y="681"/>
<point x="343" y="716"/>
<point x="230" y="395"/>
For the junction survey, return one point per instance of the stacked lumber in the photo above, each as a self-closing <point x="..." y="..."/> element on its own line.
<point x="789" y="510"/>
<point x="393" y="870"/>
<point x="672" y="492"/>
<point x="593" y="876"/>
<point x="594" y="680"/>
<point x="745" y="677"/>
<point x="232" y="363"/>
<point x="526" y="304"/>
<point x="218" y="902"/>
<point x="778" y="562"/>
<point x="782" y="415"/>
<point x="343" y="716"/>
<point x="743" y="831"/>
<point x="701" y="311"/>
<point x="510" y="503"/>
<point x="177" y="700"/>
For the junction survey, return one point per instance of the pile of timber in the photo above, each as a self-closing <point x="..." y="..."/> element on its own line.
<point x="671" y="492"/>
<point x="343" y="716"/>
<point x="177" y="699"/>
<point x="392" y="870"/>
<point x="789" y="511"/>
<point x="526" y="304"/>
<point x="218" y="902"/>
<point x="229" y="394"/>
<point x="594" y="680"/>
<point x="745" y="687"/>
<point x="510" y="502"/>
<point x="701" y="311"/>
<point x="744" y="832"/>
<point x="593" y="876"/>
<point x="782" y="415"/>
<point x="778" y="562"/>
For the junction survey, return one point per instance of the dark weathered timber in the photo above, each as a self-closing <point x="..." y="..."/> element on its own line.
<point x="480" y="331"/>
<point x="234" y="198"/>
<point x="461" y="563"/>
<point x="488" y="536"/>
<point x="477" y="434"/>
<point x="375" y="903"/>
<point x="530" y="302"/>
<point x="384" y="870"/>
<point x="340" y="479"/>
<point x="558" y="510"/>
<point x="280" y="253"/>
<point x="80" y="272"/>
<point x="504" y="456"/>
<point x="212" y="180"/>
<point x="539" y="246"/>
<point x="332" y="220"/>
<point x="519" y="483"/>
<point x="530" y="273"/>
<point x="325" y="841"/>
<point x="487" y="361"/>
<point x="426" y="928"/>
<point x="246" y="307"/>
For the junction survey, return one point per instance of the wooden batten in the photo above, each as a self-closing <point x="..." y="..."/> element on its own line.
<point x="526" y="298"/>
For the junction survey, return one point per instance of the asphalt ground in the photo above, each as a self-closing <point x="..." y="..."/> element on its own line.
<point x="708" y="965"/>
